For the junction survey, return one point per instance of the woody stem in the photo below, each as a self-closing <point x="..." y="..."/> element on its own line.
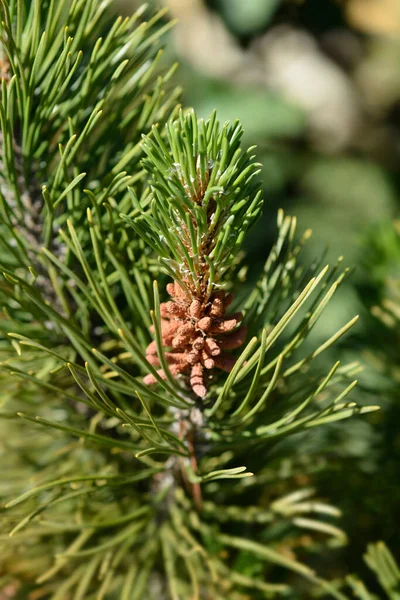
<point x="192" y="488"/>
<point x="196" y="489"/>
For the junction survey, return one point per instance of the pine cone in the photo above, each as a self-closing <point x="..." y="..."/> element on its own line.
<point x="196" y="335"/>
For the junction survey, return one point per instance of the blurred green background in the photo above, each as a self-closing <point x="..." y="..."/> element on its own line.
<point x="316" y="84"/>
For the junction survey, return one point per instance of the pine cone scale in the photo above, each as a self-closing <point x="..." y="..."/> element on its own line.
<point x="186" y="324"/>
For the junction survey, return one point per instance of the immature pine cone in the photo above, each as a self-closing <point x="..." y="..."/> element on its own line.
<point x="198" y="335"/>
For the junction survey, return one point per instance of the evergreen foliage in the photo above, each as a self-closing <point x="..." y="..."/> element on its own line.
<point x="120" y="480"/>
<point x="380" y="560"/>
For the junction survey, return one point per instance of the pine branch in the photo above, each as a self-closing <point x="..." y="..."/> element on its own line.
<point x="123" y="453"/>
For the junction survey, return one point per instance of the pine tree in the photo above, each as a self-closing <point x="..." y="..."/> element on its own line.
<point x="141" y="374"/>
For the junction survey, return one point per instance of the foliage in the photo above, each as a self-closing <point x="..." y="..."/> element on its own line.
<point x="380" y="560"/>
<point x="114" y="488"/>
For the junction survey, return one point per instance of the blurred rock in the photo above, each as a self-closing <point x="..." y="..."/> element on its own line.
<point x="296" y="68"/>
<point x="202" y="38"/>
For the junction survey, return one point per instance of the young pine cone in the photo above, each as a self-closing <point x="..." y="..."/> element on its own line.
<point x="196" y="336"/>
